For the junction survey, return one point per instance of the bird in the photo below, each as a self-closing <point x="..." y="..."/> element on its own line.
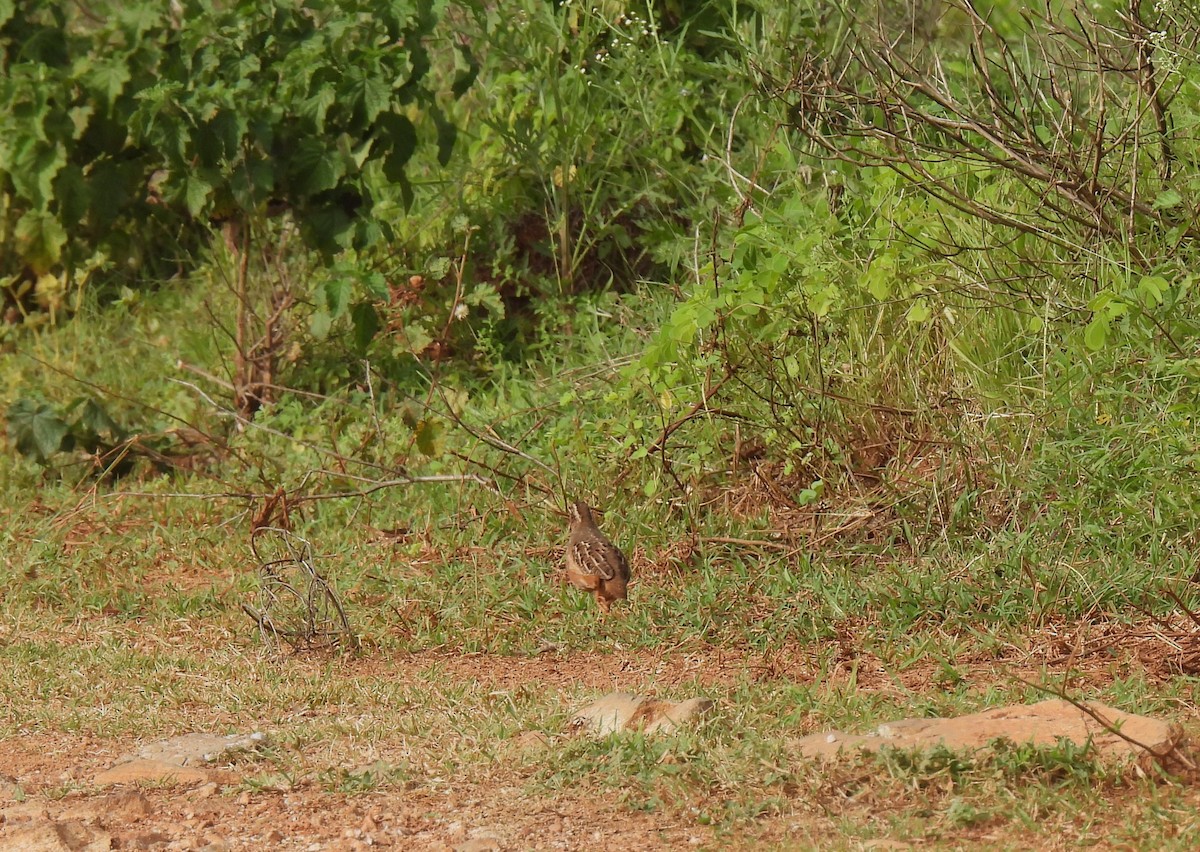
<point x="594" y="563"/>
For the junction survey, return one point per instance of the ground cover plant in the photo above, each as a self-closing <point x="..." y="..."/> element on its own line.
<point x="870" y="328"/>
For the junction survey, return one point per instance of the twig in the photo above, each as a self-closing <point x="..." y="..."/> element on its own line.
<point x="1173" y="749"/>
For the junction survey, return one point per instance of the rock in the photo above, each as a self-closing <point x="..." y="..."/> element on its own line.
<point x="619" y="711"/>
<point x="665" y="716"/>
<point x="479" y="844"/>
<point x="149" y="840"/>
<point x="1040" y="724"/>
<point x="131" y="804"/>
<point x="30" y="811"/>
<point x="178" y="759"/>
<point x="40" y="836"/>
<point x="528" y="742"/>
<point x="482" y="840"/>
<point x="157" y="771"/>
<point x="197" y="749"/>
<point x="50" y="836"/>
<point x="10" y="790"/>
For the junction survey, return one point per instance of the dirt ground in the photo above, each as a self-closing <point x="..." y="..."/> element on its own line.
<point x="452" y="816"/>
<point x="48" y="800"/>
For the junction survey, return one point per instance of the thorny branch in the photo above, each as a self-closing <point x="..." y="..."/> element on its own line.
<point x="1071" y="110"/>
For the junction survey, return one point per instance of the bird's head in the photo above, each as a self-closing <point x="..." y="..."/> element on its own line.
<point x="580" y="513"/>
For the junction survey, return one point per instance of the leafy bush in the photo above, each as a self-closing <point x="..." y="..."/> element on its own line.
<point x="126" y="128"/>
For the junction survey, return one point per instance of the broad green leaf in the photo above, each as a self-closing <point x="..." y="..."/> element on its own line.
<point x="72" y="192"/>
<point x="40" y="239"/>
<point x="466" y="70"/>
<point x="139" y="17"/>
<point x="315" y="167"/>
<point x="315" y="107"/>
<point x="919" y="312"/>
<point x="1096" y="333"/>
<point x="34" y="166"/>
<point x="879" y="281"/>
<point x="1152" y="288"/>
<point x="320" y="324"/>
<point x="416" y="338"/>
<point x="366" y="324"/>
<point x="430" y="438"/>
<point x="399" y="139"/>
<point x="95" y="418"/>
<point x="326" y="227"/>
<point x="37" y="429"/>
<point x="195" y="193"/>
<point x="106" y="76"/>
<point x="1167" y="198"/>
<point x="337" y="295"/>
<point x="406" y="191"/>
<point x="368" y="93"/>
<point x="447" y="134"/>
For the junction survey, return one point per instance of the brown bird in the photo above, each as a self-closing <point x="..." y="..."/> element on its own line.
<point x="594" y="563"/>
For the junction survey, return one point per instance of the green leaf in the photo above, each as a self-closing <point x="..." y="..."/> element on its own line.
<point x="315" y="168"/>
<point x="919" y="311"/>
<point x="106" y="77"/>
<point x="40" y="239"/>
<point x="366" y="324"/>
<point x="37" y="429"/>
<point x="1152" y="288"/>
<point x="195" y="193"/>
<point x="34" y="165"/>
<point x="399" y="138"/>
<point x="406" y="191"/>
<point x="320" y="324"/>
<point x="430" y="439"/>
<point x="416" y="338"/>
<point x="466" y="70"/>
<point x="337" y="296"/>
<point x="447" y="133"/>
<point x="879" y="281"/>
<point x="317" y="105"/>
<point x="95" y="419"/>
<point x="326" y="226"/>
<point x="1096" y="333"/>
<point x="1167" y="198"/>
<point x="368" y="93"/>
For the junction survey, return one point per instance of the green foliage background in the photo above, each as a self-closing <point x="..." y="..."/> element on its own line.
<point x="640" y="236"/>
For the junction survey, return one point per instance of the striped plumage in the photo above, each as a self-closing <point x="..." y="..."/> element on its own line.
<point x="594" y="563"/>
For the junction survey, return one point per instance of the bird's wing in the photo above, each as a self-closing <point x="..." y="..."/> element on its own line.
<point x="596" y="557"/>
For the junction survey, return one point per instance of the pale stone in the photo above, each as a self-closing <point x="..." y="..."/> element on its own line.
<point x="620" y="711"/>
<point x="1042" y="724"/>
<point x="50" y="836"/>
<point x="196" y="749"/>
<point x="157" y="771"/>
